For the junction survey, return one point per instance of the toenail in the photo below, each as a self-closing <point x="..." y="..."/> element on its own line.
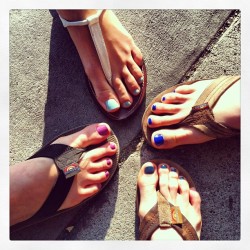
<point x="149" y="170"/>
<point x="158" y="139"/>
<point x="163" y="98"/>
<point x="111" y="104"/>
<point x="136" y="91"/>
<point x="112" y="145"/>
<point x="181" y="178"/>
<point x="173" y="91"/>
<point x="164" y="166"/>
<point x="173" y="169"/>
<point x="150" y="121"/>
<point x="154" y="107"/>
<point x="109" y="162"/>
<point x="102" y="130"/>
<point x="107" y="173"/>
<point x="126" y="104"/>
<point x="140" y="80"/>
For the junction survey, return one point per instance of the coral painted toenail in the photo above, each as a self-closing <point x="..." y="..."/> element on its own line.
<point x="149" y="170"/>
<point x="173" y="169"/>
<point x="154" y="107"/>
<point x="158" y="139"/>
<point x="150" y="121"/>
<point x="112" y="145"/>
<point x="136" y="91"/>
<point x="107" y="173"/>
<point x="140" y="80"/>
<point x="109" y="162"/>
<point x="164" y="166"/>
<point x="163" y="98"/>
<point x="181" y="178"/>
<point x="126" y="104"/>
<point x="111" y="104"/>
<point x="102" y="130"/>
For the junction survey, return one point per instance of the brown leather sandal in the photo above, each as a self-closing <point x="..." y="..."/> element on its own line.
<point x="201" y="116"/>
<point x="164" y="214"/>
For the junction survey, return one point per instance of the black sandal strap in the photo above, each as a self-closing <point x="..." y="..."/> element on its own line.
<point x="66" y="159"/>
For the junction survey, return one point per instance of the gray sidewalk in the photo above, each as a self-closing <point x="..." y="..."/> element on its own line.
<point x="48" y="95"/>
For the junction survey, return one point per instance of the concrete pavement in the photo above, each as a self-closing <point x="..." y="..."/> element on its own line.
<point x="47" y="82"/>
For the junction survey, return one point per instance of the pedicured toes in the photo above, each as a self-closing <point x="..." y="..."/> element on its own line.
<point x="112" y="105"/>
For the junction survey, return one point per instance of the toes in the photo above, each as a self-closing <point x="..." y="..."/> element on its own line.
<point x="185" y="89"/>
<point x="164" y="120"/>
<point x="195" y="200"/>
<point x="130" y="82"/>
<point x="135" y="70"/>
<point x="164" y="170"/>
<point x="147" y="182"/>
<point x="101" y="165"/>
<point x="174" y="98"/>
<point x="137" y="55"/>
<point x="124" y="97"/>
<point x="162" y="108"/>
<point x="92" y="134"/>
<point x="173" y="184"/>
<point x="108" y="149"/>
<point x="184" y="190"/>
<point x="95" y="178"/>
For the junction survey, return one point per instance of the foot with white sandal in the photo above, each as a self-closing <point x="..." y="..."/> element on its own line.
<point x="113" y="63"/>
<point x="193" y="112"/>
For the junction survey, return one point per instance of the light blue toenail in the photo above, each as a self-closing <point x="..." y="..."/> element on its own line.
<point x="111" y="104"/>
<point x="136" y="91"/>
<point x="126" y="104"/>
<point x="140" y="80"/>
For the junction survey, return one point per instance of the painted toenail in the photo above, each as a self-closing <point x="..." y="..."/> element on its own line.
<point x="150" y="121"/>
<point x="109" y="162"/>
<point x="181" y="177"/>
<point x="107" y="173"/>
<point x="126" y="104"/>
<point x="154" y="107"/>
<point x="158" y="139"/>
<point x="164" y="166"/>
<point x="140" y="80"/>
<point x="163" y="98"/>
<point x="111" y="104"/>
<point x="102" y="130"/>
<point x="136" y="91"/>
<point x="173" y="169"/>
<point x="112" y="145"/>
<point x="149" y="170"/>
<point x="174" y="91"/>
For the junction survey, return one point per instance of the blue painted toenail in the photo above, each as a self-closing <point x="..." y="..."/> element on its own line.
<point x="140" y="80"/>
<point x="164" y="166"/>
<point x="111" y="104"/>
<point x="149" y="170"/>
<point x="126" y="104"/>
<point x="173" y="169"/>
<point x="181" y="178"/>
<point x="163" y="98"/>
<point x="158" y="139"/>
<point x="150" y="121"/>
<point x="174" y="91"/>
<point x="136" y="91"/>
<point x="154" y="107"/>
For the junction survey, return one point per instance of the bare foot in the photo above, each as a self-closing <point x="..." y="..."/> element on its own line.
<point x="175" y="189"/>
<point x="176" y="106"/>
<point x="125" y="58"/>
<point x="28" y="192"/>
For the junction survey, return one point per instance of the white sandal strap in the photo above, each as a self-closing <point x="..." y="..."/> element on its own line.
<point x="96" y="33"/>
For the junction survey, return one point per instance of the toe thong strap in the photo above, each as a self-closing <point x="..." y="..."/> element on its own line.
<point x="165" y="215"/>
<point x="96" y="33"/>
<point x="66" y="159"/>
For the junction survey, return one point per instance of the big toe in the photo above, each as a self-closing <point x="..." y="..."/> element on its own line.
<point x="147" y="182"/>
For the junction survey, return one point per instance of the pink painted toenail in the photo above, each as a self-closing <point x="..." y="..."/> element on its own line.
<point x="112" y="145"/>
<point x="107" y="174"/>
<point x="109" y="161"/>
<point x="102" y="130"/>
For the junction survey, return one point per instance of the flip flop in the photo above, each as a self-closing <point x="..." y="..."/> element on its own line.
<point x="164" y="214"/>
<point x="96" y="34"/>
<point x="66" y="159"/>
<point x="201" y="116"/>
